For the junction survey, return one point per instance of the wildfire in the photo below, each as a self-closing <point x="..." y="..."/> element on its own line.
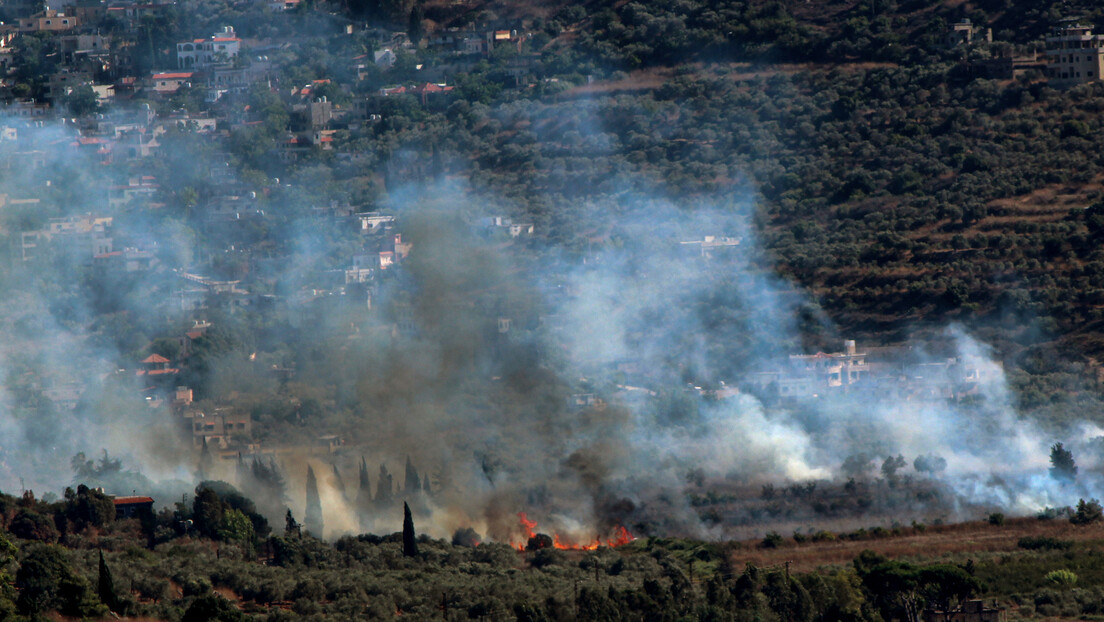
<point x="620" y="536"/>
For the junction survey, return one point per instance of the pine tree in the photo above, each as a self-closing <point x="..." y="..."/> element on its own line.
<point x="313" y="517"/>
<point x="410" y="544"/>
<point x="1063" y="468"/>
<point x="105" y="586"/>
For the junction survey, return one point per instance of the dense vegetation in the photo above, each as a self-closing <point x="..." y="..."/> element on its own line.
<point x="185" y="565"/>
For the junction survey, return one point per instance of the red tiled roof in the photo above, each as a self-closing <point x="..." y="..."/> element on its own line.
<point x="170" y="76"/>
<point x="155" y="358"/>
<point x="132" y="500"/>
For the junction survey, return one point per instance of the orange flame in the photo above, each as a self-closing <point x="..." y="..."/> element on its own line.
<point x="620" y="537"/>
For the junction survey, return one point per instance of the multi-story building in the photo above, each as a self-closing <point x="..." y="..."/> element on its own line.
<point x="222" y="47"/>
<point x="1076" y="55"/>
<point x="221" y="428"/>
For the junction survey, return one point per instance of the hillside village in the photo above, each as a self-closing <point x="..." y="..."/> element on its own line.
<point x="697" y="310"/>
<point x="196" y="127"/>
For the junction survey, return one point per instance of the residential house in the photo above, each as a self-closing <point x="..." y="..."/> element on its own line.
<point x="141" y="188"/>
<point x="72" y="46"/>
<point x="282" y="5"/>
<point x="86" y="11"/>
<point x="62" y="83"/>
<point x="131" y="506"/>
<point x="132" y="13"/>
<point x="26" y="109"/>
<point x="220" y="48"/>
<point x="426" y="92"/>
<point x="128" y="260"/>
<point x="199" y="329"/>
<point x="221" y="428"/>
<point x="385" y="58"/>
<point x="970" y="611"/>
<point x="507" y="226"/>
<point x="1076" y="55"/>
<point x="169" y="82"/>
<point x="134" y="143"/>
<point x="83" y="236"/>
<point x="711" y="244"/>
<point x="374" y="222"/>
<point x="964" y="34"/>
<point x="898" y="376"/>
<point x="47" y="21"/>
<point x="204" y="290"/>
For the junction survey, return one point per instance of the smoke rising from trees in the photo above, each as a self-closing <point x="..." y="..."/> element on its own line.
<point x="574" y="377"/>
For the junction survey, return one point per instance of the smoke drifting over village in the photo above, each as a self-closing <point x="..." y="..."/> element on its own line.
<point x="591" y="386"/>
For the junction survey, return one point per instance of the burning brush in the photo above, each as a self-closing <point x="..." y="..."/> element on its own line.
<point x="536" y="541"/>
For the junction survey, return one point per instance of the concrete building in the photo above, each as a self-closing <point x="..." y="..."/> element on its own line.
<point x="47" y="21"/>
<point x="221" y="428"/>
<point x="894" y="377"/>
<point x="82" y="236"/>
<point x="971" y="611"/>
<point x="964" y="34"/>
<point x="221" y="48"/>
<point x="1075" y="55"/>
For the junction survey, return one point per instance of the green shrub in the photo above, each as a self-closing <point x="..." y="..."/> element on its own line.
<point x="1035" y="543"/>
<point x="1062" y="578"/>
<point x="772" y="541"/>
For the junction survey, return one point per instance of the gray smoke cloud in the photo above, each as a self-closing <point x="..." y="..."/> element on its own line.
<point x="580" y="383"/>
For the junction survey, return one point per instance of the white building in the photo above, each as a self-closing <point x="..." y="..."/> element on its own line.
<point x="222" y="47"/>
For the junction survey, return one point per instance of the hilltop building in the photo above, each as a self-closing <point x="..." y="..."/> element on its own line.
<point x="1076" y="55"/>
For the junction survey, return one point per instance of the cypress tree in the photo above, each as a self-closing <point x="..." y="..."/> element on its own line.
<point x="105" y="586"/>
<point x="410" y="544"/>
<point x="364" y="495"/>
<point x="385" y="488"/>
<point x="425" y="485"/>
<point x="412" y="484"/>
<point x="339" y="483"/>
<point x="291" y="526"/>
<point x="206" y="461"/>
<point x="313" y="518"/>
<point x="243" y="473"/>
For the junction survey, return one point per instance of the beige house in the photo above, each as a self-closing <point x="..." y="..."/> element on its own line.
<point x="47" y="21"/>
<point x="220" y="428"/>
<point x="1075" y="55"/>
